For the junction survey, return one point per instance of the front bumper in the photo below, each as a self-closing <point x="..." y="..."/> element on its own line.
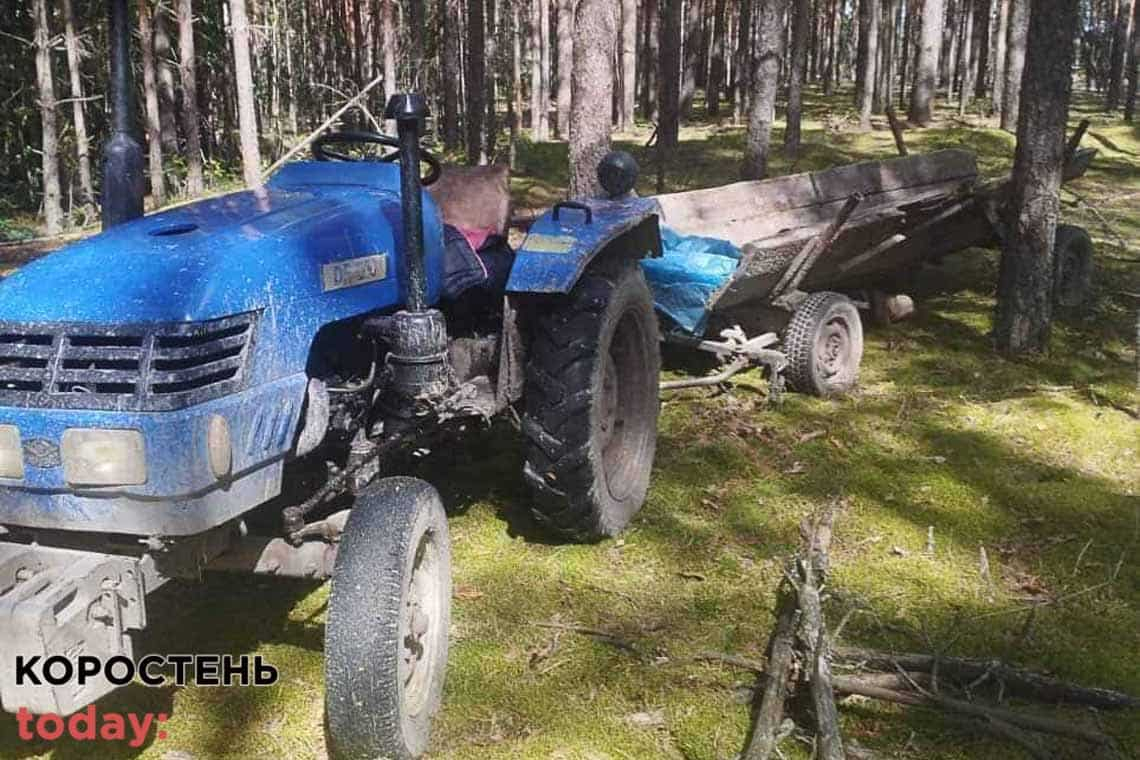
<point x="181" y="496"/>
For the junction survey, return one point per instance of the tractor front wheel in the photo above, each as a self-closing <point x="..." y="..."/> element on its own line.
<point x="389" y="612"/>
<point x="591" y="403"/>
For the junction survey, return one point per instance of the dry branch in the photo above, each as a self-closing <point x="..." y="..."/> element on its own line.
<point x="1018" y="682"/>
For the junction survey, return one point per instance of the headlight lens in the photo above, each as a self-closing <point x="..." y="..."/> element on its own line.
<point x="11" y="453"/>
<point x="104" y="457"/>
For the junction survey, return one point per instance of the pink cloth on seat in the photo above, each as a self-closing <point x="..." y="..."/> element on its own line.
<point x="476" y="237"/>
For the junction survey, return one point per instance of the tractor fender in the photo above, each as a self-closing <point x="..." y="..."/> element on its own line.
<point x="563" y="241"/>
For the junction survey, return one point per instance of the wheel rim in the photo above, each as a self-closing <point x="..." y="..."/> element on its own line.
<point x="421" y="619"/>
<point x="833" y="348"/>
<point x="622" y="432"/>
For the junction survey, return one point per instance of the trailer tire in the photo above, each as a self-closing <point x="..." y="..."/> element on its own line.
<point x="591" y="403"/>
<point x="388" y="618"/>
<point x="824" y="345"/>
<point x="1072" y="267"/>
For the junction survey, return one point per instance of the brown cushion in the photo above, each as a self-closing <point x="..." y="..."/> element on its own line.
<point x="474" y="197"/>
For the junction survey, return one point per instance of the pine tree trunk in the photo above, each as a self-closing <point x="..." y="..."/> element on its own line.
<point x="651" y="63"/>
<point x="628" y="64"/>
<point x="243" y="82"/>
<point x="1025" y="282"/>
<point x="691" y="50"/>
<point x="595" y="36"/>
<point x="717" y="65"/>
<point x="981" y="59"/>
<point x="669" y="82"/>
<point x="926" y="70"/>
<point x="540" y="70"/>
<point x="907" y="10"/>
<point x="53" y="212"/>
<point x="547" y="54"/>
<point x="1001" y="38"/>
<point x="476" y="84"/>
<point x="491" y="125"/>
<point x="965" y="53"/>
<point x="150" y="96"/>
<point x="801" y="30"/>
<point x="1119" y="56"/>
<point x="744" y="62"/>
<point x="449" y="40"/>
<point x="564" y="35"/>
<point x="869" y="13"/>
<point x="765" y="83"/>
<point x="829" y="62"/>
<point x="1133" y="65"/>
<point x="195" y="184"/>
<point x="164" y="70"/>
<point x="1014" y="63"/>
<point x="82" y="143"/>
<point x="515" y="103"/>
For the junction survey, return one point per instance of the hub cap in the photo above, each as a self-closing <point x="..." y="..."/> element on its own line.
<point x="421" y="618"/>
<point x="833" y="347"/>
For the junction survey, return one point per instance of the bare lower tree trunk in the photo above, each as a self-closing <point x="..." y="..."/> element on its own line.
<point x="1119" y="56"/>
<point x="691" y="46"/>
<point x="1001" y="36"/>
<point x="869" y="13"/>
<point x="82" y="144"/>
<point x="164" y="71"/>
<point x="1133" y="65"/>
<point x="926" y="70"/>
<point x="744" y="62"/>
<point x="669" y="97"/>
<point x="981" y="60"/>
<point x="195" y="184"/>
<point x="1014" y="63"/>
<point x="53" y="212"/>
<point x="564" y="35"/>
<point x="965" y="52"/>
<point x="449" y="40"/>
<point x="388" y="13"/>
<point x="150" y="96"/>
<point x="628" y="64"/>
<point x="515" y="103"/>
<point x="717" y="67"/>
<point x="540" y="70"/>
<point x="476" y="86"/>
<point x="651" y="60"/>
<point x="547" y="53"/>
<point x="765" y="82"/>
<point x="595" y="35"/>
<point x="243" y="80"/>
<point x="801" y="30"/>
<point x="1025" y="283"/>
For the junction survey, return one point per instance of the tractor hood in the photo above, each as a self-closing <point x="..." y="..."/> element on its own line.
<point x="236" y="253"/>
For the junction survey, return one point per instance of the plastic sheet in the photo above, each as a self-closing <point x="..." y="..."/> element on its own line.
<point x="690" y="270"/>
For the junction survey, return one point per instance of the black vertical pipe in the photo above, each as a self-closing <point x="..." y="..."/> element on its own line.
<point x="409" y="111"/>
<point x="123" y="187"/>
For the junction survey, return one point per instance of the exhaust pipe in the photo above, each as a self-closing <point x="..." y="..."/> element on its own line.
<point x="417" y="336"/>
<point x="121" y="196"/>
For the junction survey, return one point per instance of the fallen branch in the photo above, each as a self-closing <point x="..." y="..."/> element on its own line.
<point x="1020" y="682"/>
<point x="595" y="633"/>
<point x="1052" y="726"/>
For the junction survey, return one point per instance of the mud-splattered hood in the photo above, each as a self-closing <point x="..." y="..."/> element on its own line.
<point x="228" y="255"/>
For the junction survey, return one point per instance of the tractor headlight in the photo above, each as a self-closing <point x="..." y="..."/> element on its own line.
<point x="103" y="457"/>
<point x="11" y="453"/>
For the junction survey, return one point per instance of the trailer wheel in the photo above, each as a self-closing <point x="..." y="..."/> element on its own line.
<point x="1072" y="266"/>
<point x="824" y="345"/>
<point x="591" y="404"/>
<point x="389" y="612"/>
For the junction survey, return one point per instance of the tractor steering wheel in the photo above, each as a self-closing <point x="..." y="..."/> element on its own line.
<point x="322" y="153"/>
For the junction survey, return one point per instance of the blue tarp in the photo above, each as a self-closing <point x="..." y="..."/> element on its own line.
<point x="691" y="268"/>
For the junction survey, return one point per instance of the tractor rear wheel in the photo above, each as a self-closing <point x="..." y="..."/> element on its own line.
<point x="591" y="403"/>
<point x="389" y="612"/>
<point x="824" y="345"/>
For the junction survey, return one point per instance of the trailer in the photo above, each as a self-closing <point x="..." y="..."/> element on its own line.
<point x="792" y="261"/>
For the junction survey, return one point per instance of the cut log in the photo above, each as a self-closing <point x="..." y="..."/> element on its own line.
<point x="774" y="688"/>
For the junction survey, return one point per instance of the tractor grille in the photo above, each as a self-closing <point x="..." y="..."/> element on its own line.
<point x="123" y="368"/>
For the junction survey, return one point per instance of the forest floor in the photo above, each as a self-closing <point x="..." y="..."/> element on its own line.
<point x="1023" y="458"/>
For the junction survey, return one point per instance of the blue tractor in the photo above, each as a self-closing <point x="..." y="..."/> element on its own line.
<point x="220" y="386"/>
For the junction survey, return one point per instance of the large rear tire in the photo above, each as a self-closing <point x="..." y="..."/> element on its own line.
<point x="591" y="404"/>
<point x="824" y="345"/>
<point x="389" y="612"/>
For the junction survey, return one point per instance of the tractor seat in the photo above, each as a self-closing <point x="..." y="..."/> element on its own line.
<point x="475" y="199"/>
<point x="475" y="203"/>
